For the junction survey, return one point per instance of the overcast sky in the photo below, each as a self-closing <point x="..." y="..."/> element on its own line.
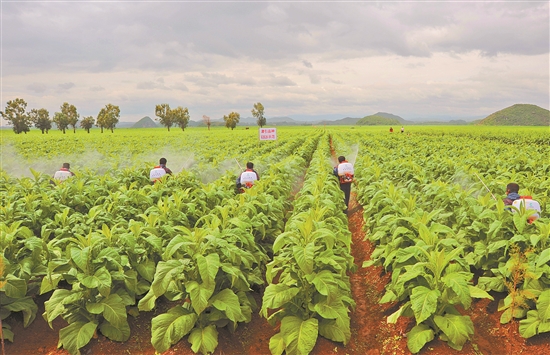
<point x="300" y="59"/>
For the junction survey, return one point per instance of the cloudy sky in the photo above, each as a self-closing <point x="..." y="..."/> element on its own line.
<point x="304" y="59"/>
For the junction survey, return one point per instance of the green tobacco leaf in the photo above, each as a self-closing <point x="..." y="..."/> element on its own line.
<point x="15" y="287"/>
<point x="114" y="310"/>
<point x="325" y="283"/>
<point x="227" y="301"/>
<point x="199" y="294"/>
<point x="276" y="344"/>
<point x="208" y="267"/>
<point x="76" y="335"/>
<point x="418" y="337"/>
<point x="25" y="305"/>
<point x="49" y="283"/>
<point x="304" y="257"/>
<point x="543" y="306"/>
<point x="423" y="302"/>
<point x="204" y="340"/>
<point x="166" y="271"/>
<point x="329" y="309"/>
<point x="276" y="295"/>
<point x="457" y="329"/>
<point x="337" y="329"/>
<point x="55" y="306"/>
<point x="519" y="221"/>
<point x="299" y="336"/>
<point x="457" y="282"/>
<point x="169" y="328"/>
<point x="476" y="292"/>
<point x="392" y="318"/>
<point x="544" y="257"/>
<point x="491" y="284"/>
<point x="80" y="257"/>
<point x="529" y="327"/>
<point x="120" y="333"/>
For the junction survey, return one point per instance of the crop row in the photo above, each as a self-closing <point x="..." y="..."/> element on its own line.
<point x="104" y="244"/>
<point x="309" y="289"/>
<point x="446" y="240"/>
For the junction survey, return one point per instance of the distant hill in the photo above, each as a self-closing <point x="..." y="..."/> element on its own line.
<point x="518" y="115"/>
<point x="379" y="120"/>
<point x="394" y="117"/>
<point x="145" y="122"/>
<point x="342" y="121"/>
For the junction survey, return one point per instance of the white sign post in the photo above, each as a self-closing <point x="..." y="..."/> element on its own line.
<point x="268" y="134"/>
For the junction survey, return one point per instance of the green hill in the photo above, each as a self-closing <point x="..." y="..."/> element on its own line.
<point x="145" y="122"/>
<point x="518" y="115"/>
<point x="376" y="120"/>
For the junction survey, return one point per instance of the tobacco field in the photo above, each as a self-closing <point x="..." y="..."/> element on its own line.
<point x="184" y="264"/>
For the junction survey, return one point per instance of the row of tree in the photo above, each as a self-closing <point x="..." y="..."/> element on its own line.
<point x="180" y="117"/>
<point x="17" y="115"/>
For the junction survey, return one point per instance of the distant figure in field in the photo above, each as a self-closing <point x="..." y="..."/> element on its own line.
<point x="159" y="171"/>
<point x="402" y="129"/>
<point x="345" y="173"/>
<point x="391" y="129"/>
<point x="514" y="199"/>
<point x="247" y="177"/>
<point x="64" y="173"/>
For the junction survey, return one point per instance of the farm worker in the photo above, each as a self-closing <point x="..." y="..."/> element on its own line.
<point x="514" y="199"/>
<point x="344" y="171"/>
<point x="64" y="173"/>
<point x="391" y="129"/>
<point x="402" y="129"/>
<point x="159" y="171"/>
<point x="512" y="194"/>
<point x="247" y="177"/>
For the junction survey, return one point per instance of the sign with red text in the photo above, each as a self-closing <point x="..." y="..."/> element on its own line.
<point x="268" y="134"/>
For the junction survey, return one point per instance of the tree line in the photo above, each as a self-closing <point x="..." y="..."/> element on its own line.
<point x="17" y="115"/>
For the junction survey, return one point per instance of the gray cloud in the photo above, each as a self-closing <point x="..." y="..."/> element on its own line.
<point x="234" y="54"/>
<point x="38" y="88"/>
<point x="65" y="86"/>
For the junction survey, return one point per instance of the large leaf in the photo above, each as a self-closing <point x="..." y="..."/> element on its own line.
<point x="304" y="257"/>
<point x="418" y="337"/>
<point x="208" y="267"/>
<point x="476" y="292"/>
<point x="55" y="306"/>
<point x="120" y="333"/>
<point x="169" y="328"/>
<point x="423" y="302"/>
<point x="80" y="257"/>
<point x="457" y="282"/>
<point x="25" y="305"/>
<point x="528" y="327"/>
<point x="457" y="329"/>
<point x="76" y="335"/>
<point x="276" y="295"/>
<point x="325" y="283"/>
<point x="337" y="329"/>
<point x="204" y="340"/>
<point x="277" y="344"/>
<point x="199" y="294"/>
<point x="299" y="336"/>
<point x="15" y="287"/>
<point x="543" y="306"/>
<point x="228" y="302"/>
<point x="114" y="310"/>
